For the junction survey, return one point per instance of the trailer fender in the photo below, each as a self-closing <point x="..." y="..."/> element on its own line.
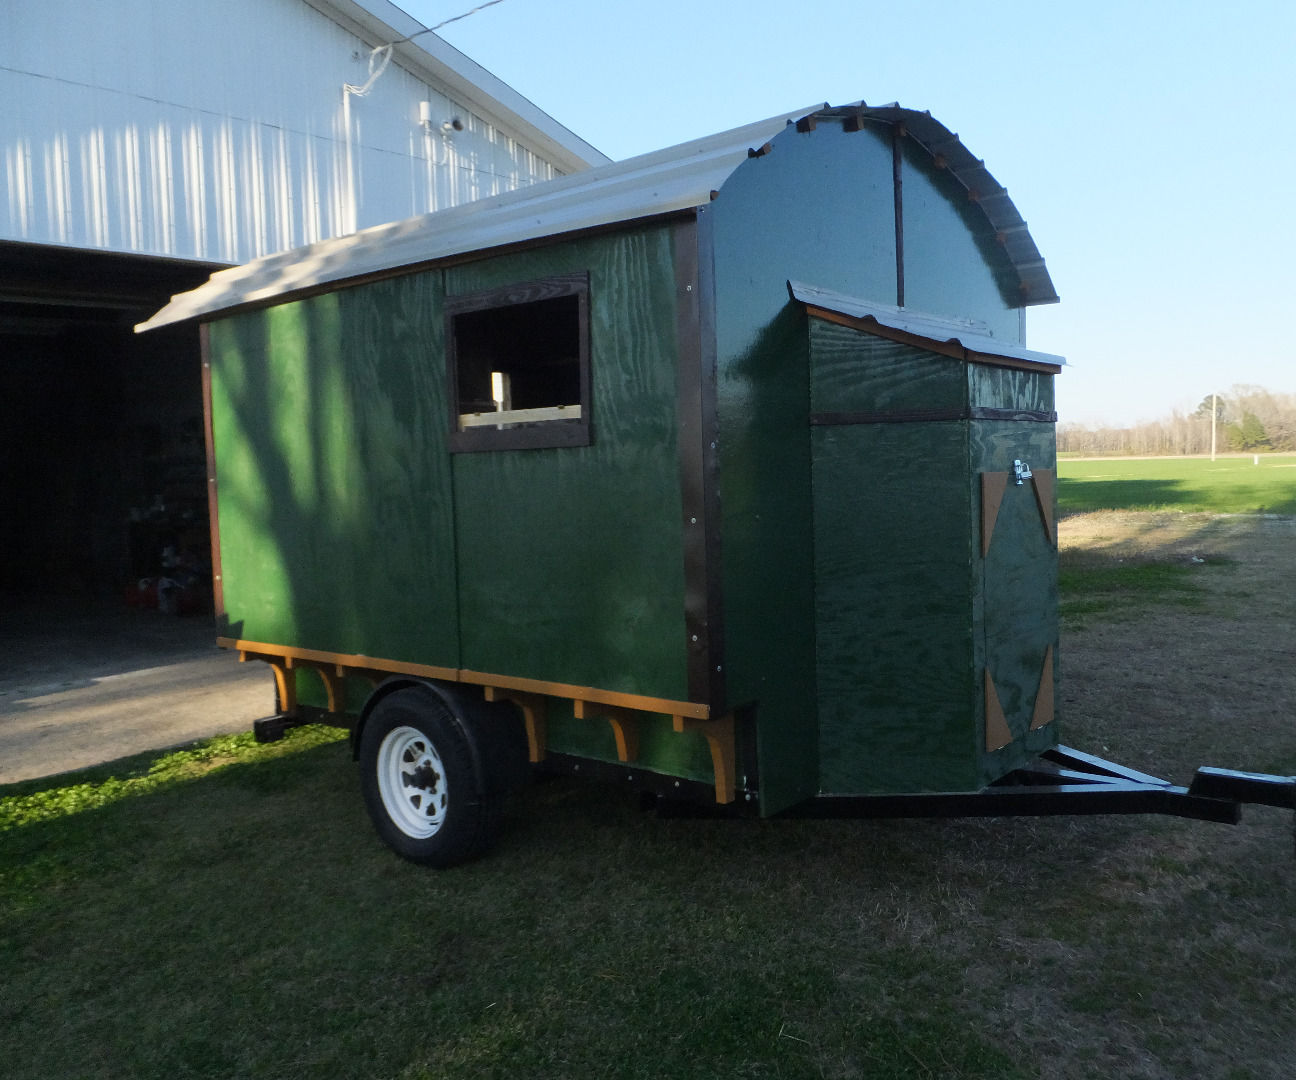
<point x="493" y="730"/>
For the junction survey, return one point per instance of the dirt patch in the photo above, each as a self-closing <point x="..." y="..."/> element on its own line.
<point x="1167" y="689"/>
<point x="1157" y="947"/>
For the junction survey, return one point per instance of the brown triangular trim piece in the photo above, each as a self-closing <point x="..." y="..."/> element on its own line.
<point x="997" y="733"/>
<point x="1043" y="714"/>
<point x="993" y="486"/>
<point x="1045" y="480"/>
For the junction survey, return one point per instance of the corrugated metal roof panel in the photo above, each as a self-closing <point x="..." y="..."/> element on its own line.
<point x="939" y="329"/>
<point x="677" y="178"/>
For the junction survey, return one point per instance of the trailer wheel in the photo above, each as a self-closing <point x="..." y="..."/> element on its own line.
<point x="420" y="782"/>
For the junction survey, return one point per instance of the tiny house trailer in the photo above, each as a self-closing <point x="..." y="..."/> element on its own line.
<point x="724" y="471"/>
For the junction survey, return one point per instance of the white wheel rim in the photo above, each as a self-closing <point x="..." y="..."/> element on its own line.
<point x="412" y="783"/>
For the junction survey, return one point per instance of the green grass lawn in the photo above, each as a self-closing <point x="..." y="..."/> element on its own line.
<point x="1232" y="485"/>
<point x="227" y="910"/>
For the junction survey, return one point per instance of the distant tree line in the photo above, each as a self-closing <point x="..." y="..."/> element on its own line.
<point x="1248" y="419"/>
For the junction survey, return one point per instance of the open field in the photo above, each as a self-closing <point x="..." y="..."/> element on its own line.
<point x="229" y="912"/>
<point x="1228" y="485"/>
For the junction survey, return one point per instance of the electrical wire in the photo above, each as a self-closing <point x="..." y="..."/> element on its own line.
<point x="380" y="57"/>
<point x="447" y="22"/>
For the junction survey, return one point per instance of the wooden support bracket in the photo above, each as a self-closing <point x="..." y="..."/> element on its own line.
<point x="625" y="725"/>
<point x="285" y="679"/>
<point x="724" y="757"/>
<point x="533" y="716"/>
<point x="331" y="675"/>
<point x="285" y="685"/>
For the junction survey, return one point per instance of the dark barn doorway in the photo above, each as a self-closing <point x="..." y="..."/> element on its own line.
<point x="102" y="478"/>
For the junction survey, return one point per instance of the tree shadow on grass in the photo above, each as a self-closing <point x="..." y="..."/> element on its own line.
<point x="1084" y="496"/>
<point x="1077" y="496"/>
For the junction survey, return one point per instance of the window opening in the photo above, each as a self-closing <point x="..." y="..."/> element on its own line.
<point x="519" y="366"/>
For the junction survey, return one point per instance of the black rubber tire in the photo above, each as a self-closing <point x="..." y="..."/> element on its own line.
<point x="468" y="822"/>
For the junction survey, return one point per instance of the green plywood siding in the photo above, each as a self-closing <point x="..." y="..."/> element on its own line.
<point x="893" y="556"/>
<point x="952" y="262"/>
<point x="860" y="373"/>
<point x="1010" y="388"/>
<point x="817" y="207"/>
<point x="347" y="526"/>
<point x="571" y="564"/>
<point x="661" y="748"/>
<point x="1017" y="584"/>
<point x="893" y="590"/>
<point x="908" y="613"/>
<point x="334" y="515"/>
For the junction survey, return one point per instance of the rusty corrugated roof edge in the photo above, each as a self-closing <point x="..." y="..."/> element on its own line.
<point x="971" y="334"/>
<point x="662" y="182"/>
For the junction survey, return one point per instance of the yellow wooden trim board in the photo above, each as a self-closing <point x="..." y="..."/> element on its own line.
<point x="722" y="741"/>
<point x="533" y="716"/>
<point x="620" y="710"/>
<point x="624" y="722"/>
<point x="362" y="664"/>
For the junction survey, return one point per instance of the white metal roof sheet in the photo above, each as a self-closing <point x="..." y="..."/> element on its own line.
<point x="967" y="333"/>
<point x="677" y="178"/>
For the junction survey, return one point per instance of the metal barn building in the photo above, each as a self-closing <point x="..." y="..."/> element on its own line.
<point x="146" y="143"/>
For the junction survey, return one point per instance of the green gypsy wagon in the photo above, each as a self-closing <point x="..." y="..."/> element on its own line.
<point x="723" y="471"/>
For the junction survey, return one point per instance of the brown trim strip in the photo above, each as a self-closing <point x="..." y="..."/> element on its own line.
<point x="993" y="487"/>
<point x="692" y="247"/>
<point x="991" y="360"/>
<point x="897" y="185"/>
<point x="910" y="416"/>
<point x="1043" y="714"/>
<point x="255" y="650"/>
<point x="1044" y="481"/>
<point x="952" y="349"/>
<point x="209" y="442"/>
<point x="997" y="733"/>
<point x="1026" y="416"/>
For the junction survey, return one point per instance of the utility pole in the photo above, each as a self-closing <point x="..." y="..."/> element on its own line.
<point x="1214" y="413"/>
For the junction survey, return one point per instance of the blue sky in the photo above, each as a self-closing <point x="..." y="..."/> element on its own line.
<point x="1151" y="146"/>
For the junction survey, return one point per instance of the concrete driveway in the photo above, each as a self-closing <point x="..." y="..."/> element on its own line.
<point x="81" y="685"/>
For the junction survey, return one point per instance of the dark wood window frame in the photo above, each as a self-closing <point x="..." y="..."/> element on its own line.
<point x="543" y="433"/>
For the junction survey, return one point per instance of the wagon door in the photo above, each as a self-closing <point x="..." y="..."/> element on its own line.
<point x="566" y="473"/>
<point x="1011" y="451"/>
<point x="935" y="571"/>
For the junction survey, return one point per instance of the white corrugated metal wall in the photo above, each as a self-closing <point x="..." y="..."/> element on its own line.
<point x="220" y="132"/>
<point x="144" y="143"/>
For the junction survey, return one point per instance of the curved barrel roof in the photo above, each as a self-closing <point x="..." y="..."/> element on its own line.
<point x="678" y="178"/>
